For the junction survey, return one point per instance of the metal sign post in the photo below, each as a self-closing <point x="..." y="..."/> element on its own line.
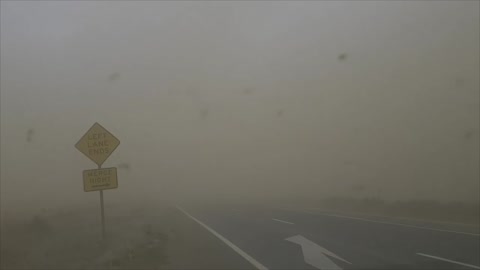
<point x="103" y="215"/>
<point x="102" y="211"/>
<point x="98" y="144"/>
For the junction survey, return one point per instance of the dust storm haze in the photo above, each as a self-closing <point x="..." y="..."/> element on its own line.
<point x="241" y="100"/>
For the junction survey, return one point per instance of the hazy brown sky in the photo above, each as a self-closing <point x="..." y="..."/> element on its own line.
<point x="227" y="99"/>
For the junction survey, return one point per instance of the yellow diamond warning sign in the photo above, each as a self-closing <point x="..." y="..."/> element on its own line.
<point x="97" y="144"/>
<point x="100" y="179"/>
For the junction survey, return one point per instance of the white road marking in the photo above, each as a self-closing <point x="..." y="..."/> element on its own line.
<point x="242" y="253"/>
<point x="410" y="219"/>
<point x="450" y="261"/>
<point x="315" y="255"/>
<point x="391" y="223"/>
<point x="283" y="221"/>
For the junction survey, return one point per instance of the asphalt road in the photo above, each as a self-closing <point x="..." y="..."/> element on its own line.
<point x="286" y="238"/>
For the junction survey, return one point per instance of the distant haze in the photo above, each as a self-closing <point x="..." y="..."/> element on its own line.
<point x="242" y="99"/>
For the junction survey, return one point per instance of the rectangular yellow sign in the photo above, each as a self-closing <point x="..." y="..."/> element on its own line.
<point x="100" y="179"/>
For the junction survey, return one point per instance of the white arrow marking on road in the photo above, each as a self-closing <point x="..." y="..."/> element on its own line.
<point x="314" y="254"/>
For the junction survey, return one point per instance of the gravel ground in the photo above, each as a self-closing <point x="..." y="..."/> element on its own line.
<point x="140" y="237"/>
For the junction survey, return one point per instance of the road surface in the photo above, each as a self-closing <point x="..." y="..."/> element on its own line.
<point x="289" y="238"/>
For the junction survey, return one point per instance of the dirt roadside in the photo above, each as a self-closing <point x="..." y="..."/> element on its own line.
<point x="140" y="237"/>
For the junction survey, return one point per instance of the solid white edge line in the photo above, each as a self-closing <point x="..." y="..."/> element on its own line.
<point x="242" y="253"/>
<point x="283" y="221"/>
<point x="450" y="261"/>
<point x="410" y="219"/>
<point x="391" y="223"/>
